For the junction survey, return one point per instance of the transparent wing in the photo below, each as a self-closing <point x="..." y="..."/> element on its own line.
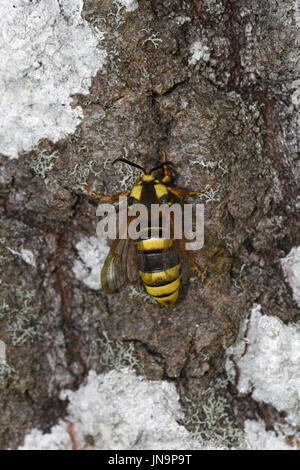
<point x="119" y="266"/>
<point x="113" y="275"/>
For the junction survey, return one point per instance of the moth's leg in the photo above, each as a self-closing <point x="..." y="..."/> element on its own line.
<point x="112" y="198"/>
<point x="190" y="256"/>
<point x="139" y="174"/>
<point x="167" y="173"/>
<point x="183" y="193"/>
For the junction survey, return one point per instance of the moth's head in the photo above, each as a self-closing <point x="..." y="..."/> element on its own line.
<point x="148" y="176"/>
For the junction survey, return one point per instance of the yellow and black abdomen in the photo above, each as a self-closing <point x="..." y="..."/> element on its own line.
<point x="160" y="269"/>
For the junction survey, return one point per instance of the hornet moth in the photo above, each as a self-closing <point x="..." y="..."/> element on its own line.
<point x="161" y="263"/>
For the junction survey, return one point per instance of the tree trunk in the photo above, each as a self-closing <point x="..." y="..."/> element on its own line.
<point x="215" y="84"/>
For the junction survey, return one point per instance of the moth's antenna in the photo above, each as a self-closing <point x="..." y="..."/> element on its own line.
<point x="129" y="163"/>
<point x="162" y="164"/>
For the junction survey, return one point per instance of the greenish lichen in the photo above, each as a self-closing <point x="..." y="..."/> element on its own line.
<point x="154" y="40"/>
<point x="213" y="193"/>
<point x="6" y="373"/>
<point x="20" y="315"/>
<point x="126" y="173"/>
<point x="20" y="318"/>
<point x="117" y="13"/>
<point x="81" y="172"/>
<point x="18" y="306"/>
<point x="43" y="162"/>
<point x="213" y="424"/>
<point x="118" y="354"/>
<point x="138" y="291"/>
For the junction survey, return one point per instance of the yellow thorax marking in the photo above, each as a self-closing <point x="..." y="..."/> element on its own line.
<point x="160" y="190"/>
<point x="136" y="192"/>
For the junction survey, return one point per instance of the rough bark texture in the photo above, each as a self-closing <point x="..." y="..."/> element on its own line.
<point x="232" y="110"/>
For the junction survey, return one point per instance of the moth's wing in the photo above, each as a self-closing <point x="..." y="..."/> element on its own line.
<point x="130" y="261"/>
<point x="120" y="265"/>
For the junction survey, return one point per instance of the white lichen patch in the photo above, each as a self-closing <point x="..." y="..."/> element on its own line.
<point x="6" y="371"/>
<point x="92" y="253"/>
<point x="199" y="51"/>
<point x="118" y="410"/>
<point x="57" y="439"/>
<point x="258" y="438"/>
<point x="291" y="268"/>
<point x="26" y="255"/>
<point x="48" y="53"/>
<point x="295" y="97"/>
<point x="297" y="12"/>
<point x="2" y="352"/>
<point x="129" y="5"/>
<point x="269" y="363"/>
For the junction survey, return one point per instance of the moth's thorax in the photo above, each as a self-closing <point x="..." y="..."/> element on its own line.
<point x="147" y="192"/>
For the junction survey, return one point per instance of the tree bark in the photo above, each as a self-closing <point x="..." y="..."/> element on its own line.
<point x="215" y="84"/>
